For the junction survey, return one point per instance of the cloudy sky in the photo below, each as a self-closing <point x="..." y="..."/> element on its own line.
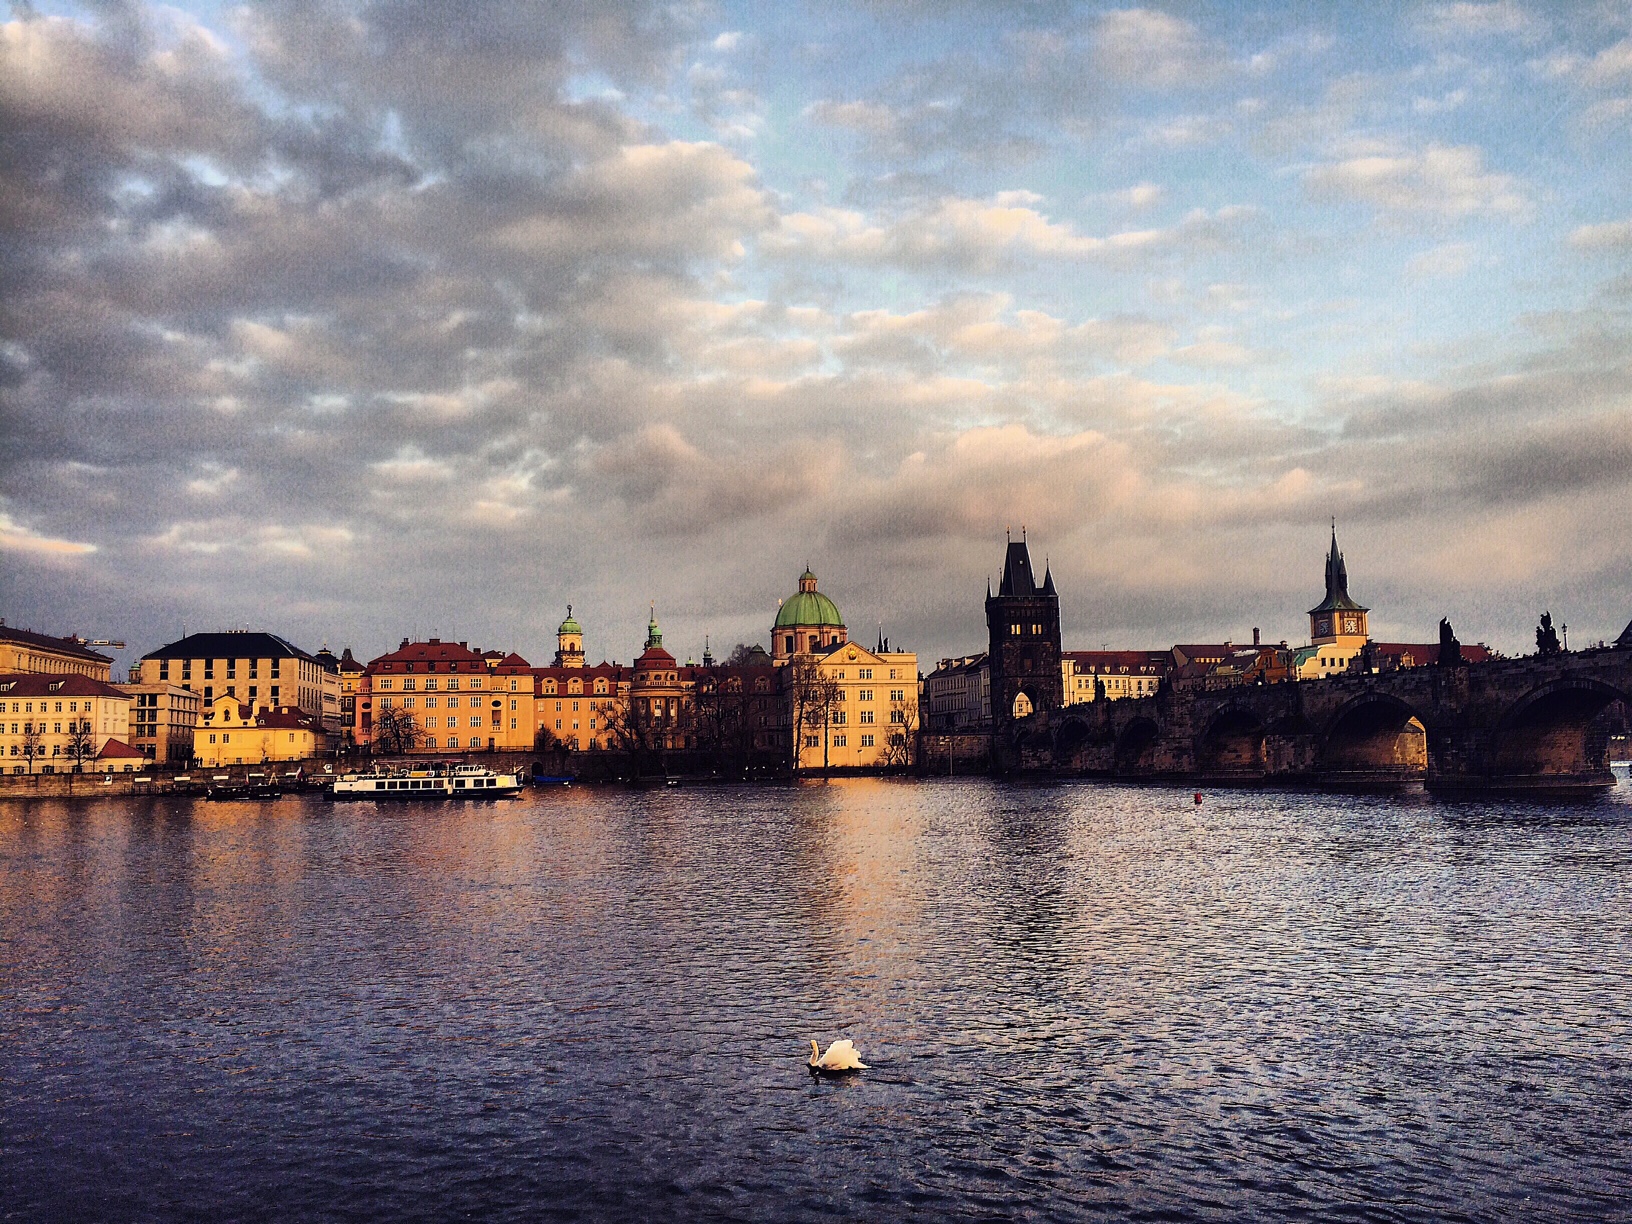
<point x="360" y="320"/>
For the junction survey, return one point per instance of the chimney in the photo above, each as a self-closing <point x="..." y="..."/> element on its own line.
<point x="404" y="645"/>
<point x="1255" y="635"/>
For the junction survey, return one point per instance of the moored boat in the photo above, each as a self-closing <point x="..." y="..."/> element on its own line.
<point x="434" y="781"/>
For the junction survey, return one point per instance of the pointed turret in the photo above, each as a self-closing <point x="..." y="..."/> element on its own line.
<point x="1624" y="642"/>
<point x="1048" y="580"/>
<point x="654" y="635"/>
<point x="1338" y="617"/>
<point x="1018" y="582"/>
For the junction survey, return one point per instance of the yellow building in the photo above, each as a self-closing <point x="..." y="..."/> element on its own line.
<point x="852" y="708"/>
<point x="441" y="697"/>
<point x="1093" y="675"/>
<point x="233" y="734"/>
<point x="22" y="650"/>
<point x="51" y="723"/>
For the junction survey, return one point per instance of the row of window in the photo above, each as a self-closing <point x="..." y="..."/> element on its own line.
<point x="27" y="707"/>
<point x="209" y="669"/>
<point x="384" y="683"/>
<point x="29" y="728"/>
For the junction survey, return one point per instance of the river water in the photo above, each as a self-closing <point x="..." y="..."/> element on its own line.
<point x="1078" y="1002"/>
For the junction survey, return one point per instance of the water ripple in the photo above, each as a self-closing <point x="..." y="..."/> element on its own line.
<point x="1079" y="1002"/>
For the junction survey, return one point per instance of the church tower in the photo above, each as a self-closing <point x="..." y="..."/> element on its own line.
<point x="569" y="643"/>
<point x="1023" y="643"/>
<point x="1338" y="620"/>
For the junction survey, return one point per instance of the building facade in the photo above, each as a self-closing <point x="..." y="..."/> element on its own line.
<point x="851" y="708"/>
<point x="440" y="697"/>
<point x="163" y="718"/>
<point x="234" y="734"/>
<point x="255" y="668"/>
<point x="957" y="696"/>
<point x="24" y="651"/>
<point x="1023" y="643"/>
<point x="1106" y="675"/>
<point x="51" y="723"/>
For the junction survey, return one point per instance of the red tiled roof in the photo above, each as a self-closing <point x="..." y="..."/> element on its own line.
<point x="447" y="656"/>
<point x="115" y="749"/>
<point x="290" y="717"/>
<point x="514" y="661"/>
<point x="33" y="684"/>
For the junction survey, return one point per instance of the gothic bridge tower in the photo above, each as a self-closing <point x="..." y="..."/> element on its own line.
<point x="1023" y="636"/>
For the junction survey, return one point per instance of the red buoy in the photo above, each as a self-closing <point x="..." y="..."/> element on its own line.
<point x="1198" y="798"/>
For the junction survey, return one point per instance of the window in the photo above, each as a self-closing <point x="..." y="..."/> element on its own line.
<point x="453" y="683"/>
<point x="407" y="683"/>
<point x="512" y="724"/>
<point x="232" y="669"/>
<point x="209" y="669"/>
<point x="838" y="741"/>
<point x="164" y="669"/>
<point x="475" y="682"/>
<point x="453" y="741"/>
<point x="812" y="741"/>
<point x="838" y="717"/>
<point x="898" y="716"/>
<point x="513" y="703"/>
<point x="274" y="694"/>
<point x="866" y="741"/>
<point x="866" y="717"/>
<point x="430" y="684"/>
<point x="475" y="720"/>
<point x="898" y="694"/>
<point x="864" y="695"/>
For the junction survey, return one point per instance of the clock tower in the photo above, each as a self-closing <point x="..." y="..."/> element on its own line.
<point x="1338" y="620"/>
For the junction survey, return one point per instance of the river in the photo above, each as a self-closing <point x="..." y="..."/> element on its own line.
<point x="1078" y="1002"/>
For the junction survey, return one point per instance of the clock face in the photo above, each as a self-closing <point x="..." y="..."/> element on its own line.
<point x="1350" y="625"/>
<point x="1323" y="626"/>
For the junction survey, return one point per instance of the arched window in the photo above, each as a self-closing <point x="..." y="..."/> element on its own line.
<point x="1022" y="705"/>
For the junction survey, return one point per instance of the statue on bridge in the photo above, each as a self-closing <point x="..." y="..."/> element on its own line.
<point x="1450" y="650"/>
<point x="1546" y="636"/>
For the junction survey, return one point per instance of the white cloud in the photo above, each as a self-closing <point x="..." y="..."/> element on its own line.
<point x="1604" y="236"/>
<point x="1155" y="50"/>
<point x="1504" y="18"/>
<point x="986" y="234"/>
<point x="15" y="537"/>
<point x="1450" y="182"/>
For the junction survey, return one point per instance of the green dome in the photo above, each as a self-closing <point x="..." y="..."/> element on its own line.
<point x="569" y="625"/>
<point x="808" y="608"/>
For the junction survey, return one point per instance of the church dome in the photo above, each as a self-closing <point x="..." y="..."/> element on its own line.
<point x="808" y="607"/>
<point x="569" y="625"/>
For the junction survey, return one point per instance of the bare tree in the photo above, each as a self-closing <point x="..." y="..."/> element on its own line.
<point x="741" y="655"/>
<point x="32" y="744"/>
<point x="636" y="731"/>
<point x="81" y="742"/>
<point x="395" y="730"/>
<point x="903" y="732"/>
<point x="816" y="697"/>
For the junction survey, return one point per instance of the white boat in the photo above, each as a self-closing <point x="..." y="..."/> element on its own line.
<point x="430" y="782"/>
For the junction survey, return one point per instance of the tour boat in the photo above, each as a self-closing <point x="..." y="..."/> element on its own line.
<point x="430" y="782"/>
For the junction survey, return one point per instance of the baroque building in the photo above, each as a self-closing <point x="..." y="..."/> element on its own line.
<point x="1023" y="642"/>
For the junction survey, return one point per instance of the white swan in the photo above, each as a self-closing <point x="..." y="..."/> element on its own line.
<point x="841" y="1056"/>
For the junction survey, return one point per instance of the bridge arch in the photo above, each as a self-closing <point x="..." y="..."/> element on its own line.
<point x="1376" y="737"/>
<point x="1069" y="742"/>
<point x="1233" y="743"/>
<point x="1553" y="730"/>
<point x="1135" y="751"/>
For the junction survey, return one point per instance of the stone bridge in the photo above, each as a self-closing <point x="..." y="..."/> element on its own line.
<point x="1536" y="724"/>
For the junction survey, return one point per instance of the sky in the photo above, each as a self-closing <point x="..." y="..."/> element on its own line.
<point x="361" y="320"/>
